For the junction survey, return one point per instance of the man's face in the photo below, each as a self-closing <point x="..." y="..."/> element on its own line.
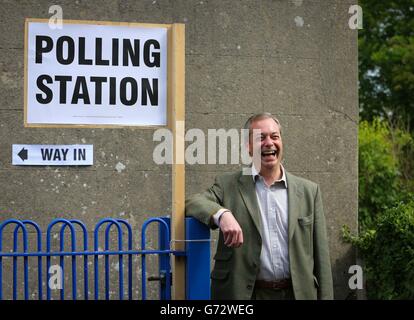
<point x="269" y="141"/>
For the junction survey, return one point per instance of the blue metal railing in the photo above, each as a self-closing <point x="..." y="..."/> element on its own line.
<point x="122" y="227"/>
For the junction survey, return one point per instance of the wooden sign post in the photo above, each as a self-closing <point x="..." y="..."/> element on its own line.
<point x="177" y="125"/>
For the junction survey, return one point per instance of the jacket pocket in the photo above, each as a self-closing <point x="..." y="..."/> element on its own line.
<point x="219" y="274"/>
<point x="306" y="227"/>
<point x="222" y="265"/>
<point x="223" y="255"/>
<point x="304" y="221"/>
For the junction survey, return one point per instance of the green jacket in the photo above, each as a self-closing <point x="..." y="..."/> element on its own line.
<point x="235" y="270"/>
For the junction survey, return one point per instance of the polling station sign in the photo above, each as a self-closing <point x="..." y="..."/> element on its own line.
<point x="95" y="74"/>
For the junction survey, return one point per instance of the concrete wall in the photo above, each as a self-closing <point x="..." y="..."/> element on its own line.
<point x="296" y="59"/>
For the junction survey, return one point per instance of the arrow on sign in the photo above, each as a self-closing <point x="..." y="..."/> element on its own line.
<point x="23" y="154"/>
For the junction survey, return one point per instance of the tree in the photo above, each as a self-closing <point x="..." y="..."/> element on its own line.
<point x="386" y="148"/>
<point x="386" y="61"/>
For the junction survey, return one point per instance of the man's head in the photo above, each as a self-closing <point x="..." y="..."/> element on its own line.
<point x="265" y="135"/>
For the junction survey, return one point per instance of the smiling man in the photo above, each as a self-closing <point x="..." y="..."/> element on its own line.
<point x="272" y="241"/>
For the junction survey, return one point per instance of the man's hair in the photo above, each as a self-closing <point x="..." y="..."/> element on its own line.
<point x="261" y="116"/>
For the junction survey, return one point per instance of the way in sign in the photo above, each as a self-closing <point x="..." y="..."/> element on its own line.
<point x="60" y="154"/>
<point x="52" y="155"/>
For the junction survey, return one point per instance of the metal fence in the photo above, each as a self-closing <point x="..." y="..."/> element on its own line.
<point x="197" y="252"/>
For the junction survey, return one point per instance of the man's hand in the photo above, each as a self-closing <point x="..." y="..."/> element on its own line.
<point x="233" y="235"/>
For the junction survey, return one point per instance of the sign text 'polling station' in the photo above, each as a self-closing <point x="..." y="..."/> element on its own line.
<point x="96" y="74"/>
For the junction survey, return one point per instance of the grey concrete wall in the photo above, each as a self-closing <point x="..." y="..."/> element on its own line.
<point x="296" y="59"/>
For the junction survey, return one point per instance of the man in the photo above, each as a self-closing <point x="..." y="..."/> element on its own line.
<point x="272" y="242"/>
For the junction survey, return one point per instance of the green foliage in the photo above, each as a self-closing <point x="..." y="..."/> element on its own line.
<point x="386" y="210"/>
<point x="386" y="61"/>
<point x="385" y="168"/>
<point x="386" y="148"/>
<point x="388" y="251"/>
<point x="378" y="171"/>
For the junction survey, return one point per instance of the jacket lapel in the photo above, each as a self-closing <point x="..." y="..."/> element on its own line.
<point x="248" y="193"/>
<point x="294" y="201"/>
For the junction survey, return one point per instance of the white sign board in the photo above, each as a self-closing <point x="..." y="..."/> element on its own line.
<point x="95" y="74"/>
<point x="52" y="155"/>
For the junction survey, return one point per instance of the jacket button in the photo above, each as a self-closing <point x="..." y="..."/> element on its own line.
<point x="249" y="287"/>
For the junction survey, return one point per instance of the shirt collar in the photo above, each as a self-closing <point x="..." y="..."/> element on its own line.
<point x="256" y="175"/>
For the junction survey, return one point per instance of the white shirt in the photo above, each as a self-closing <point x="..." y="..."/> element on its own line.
<point x="273" y="205"/>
